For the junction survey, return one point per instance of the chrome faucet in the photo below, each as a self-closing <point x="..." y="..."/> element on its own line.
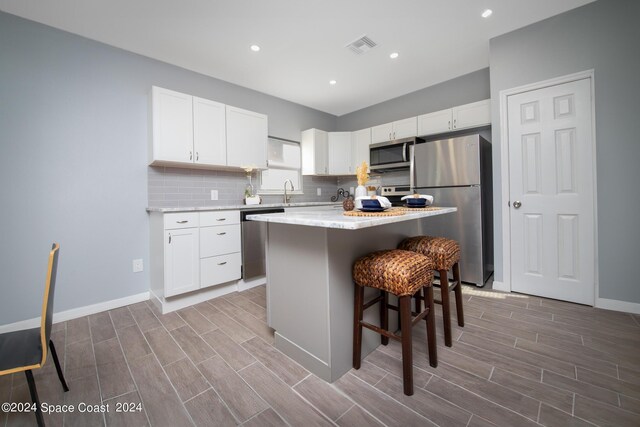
<point x="287" y="198"/>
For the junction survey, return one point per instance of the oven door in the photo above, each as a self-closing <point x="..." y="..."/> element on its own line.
<point x="390" y="155"/>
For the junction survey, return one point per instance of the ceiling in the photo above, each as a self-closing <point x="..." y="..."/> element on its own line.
<point x="302" y="41"/>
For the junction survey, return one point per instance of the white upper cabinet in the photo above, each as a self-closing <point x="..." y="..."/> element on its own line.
<point x="465" y="116"/>
<point x="314" y="146"/>
<point x="395" y="130"/>
<point x="339" y="153"/>
<point x="188" y="131"/>
<point x="209" y="132"/>
<point x="360" y="141"/>
<point x="436" y="122"/>
<point x="172" y="127"/>
<point x="472" y="115"/>
<point x="381" y="133"/>
<point x="247" y="134"/>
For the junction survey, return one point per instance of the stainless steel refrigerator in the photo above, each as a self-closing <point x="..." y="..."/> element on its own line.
<point x="457" y="172"/>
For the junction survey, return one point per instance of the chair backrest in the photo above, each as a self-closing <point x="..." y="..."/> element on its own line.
<point x="47" y="303"/>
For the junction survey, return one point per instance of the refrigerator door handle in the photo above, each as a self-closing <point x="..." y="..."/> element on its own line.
<point x="412" y="168"/>
<point x="404" y="152"/>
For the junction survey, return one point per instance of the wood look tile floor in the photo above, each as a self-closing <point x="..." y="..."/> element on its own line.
<point x="519" y="361"/>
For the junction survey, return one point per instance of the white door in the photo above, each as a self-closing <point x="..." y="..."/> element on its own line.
<point x="382" y="133"/>
<point x="552" y="192"/>
<point x="209" y="132"/>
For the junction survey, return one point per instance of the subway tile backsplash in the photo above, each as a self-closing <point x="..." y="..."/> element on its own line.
<point x="176" y="187"/>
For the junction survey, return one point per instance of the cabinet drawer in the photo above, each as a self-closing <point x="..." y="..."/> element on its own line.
<point x="176" y="220"/>
<point x="219" y="218"/>
<point x="223" y="239"/>
<point x="220" y="269"/>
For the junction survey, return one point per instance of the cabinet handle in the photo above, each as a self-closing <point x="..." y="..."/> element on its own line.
<point x="222" y="234"/>
<point x="394" y="135"/>
<point x="222" y="263"/>
<point x="221" y="219"/>
<point x="197" y="156"/>
<point x="454" y="123"/>
<point x="184" y="221"/>
<point x="169" y="238"/>
<point x="190" y="155"/>
<point x="449" y="124"/>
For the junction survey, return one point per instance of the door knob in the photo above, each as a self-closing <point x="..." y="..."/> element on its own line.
<point x="517" y="204"/>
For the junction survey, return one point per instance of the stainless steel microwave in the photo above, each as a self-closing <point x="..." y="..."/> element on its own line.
<point x="391" y="155"/>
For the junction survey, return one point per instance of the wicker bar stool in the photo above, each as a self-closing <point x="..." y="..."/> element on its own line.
<point x="446" y="255"/>
<point x="401" y="273"/>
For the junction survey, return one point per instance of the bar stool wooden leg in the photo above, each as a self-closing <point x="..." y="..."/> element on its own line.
<point x="446" y="312"/>
<point x="458" y="292"/>
<point x="431" y="327"/>
<point x="407" y="350"/>
<point x="357" y="325"/>
<point x="384" y="316"/>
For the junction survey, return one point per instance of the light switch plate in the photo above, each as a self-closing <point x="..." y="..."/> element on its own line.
<point x="214" y="194"/>
<point x="137" y="265"/>
<point x="352" y="191"/>
<point x="319" y="191"/>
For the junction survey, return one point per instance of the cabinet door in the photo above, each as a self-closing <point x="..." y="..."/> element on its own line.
<point x="405" y="128"/>
<point x="360" y="141"/>
<point x="313" y="144"/>
<point x="339" y="150"/>
<point x="437" y="122"/>
<point x="181" y="261"/>
<point x="172" y="117"/>
<point x="209" y="132"/>
<point x="472" y="115"/>
<point x="247" y="134"/>
<point x="382" y="133"/>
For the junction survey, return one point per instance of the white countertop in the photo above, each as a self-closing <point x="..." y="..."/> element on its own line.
<point x="241" y="207"/>
<point x="335" y="219"/>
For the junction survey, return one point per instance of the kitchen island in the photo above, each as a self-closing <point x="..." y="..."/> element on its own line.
<point x="309" y="288"/>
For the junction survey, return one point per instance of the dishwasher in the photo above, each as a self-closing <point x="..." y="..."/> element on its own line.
<point x="254" y="236"/>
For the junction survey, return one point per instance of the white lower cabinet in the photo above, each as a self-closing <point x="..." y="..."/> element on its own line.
<point x="220" y="246"/>
<point x="197" y="250"/>
<point x="181" y="263"/>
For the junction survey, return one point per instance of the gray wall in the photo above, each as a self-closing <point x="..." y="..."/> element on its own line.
<point x="603" y="36"/>
<point x="73" y="161"/>
<point x="458" y="91"/>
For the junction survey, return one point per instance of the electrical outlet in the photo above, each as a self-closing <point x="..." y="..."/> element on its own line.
<point x="137" y="265"/>
<point x="214" y="194"/>
<point x="319" y="191"/>
<point x="352" y="191"/>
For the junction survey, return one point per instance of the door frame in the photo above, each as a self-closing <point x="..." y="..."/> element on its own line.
<point x="505" y="285"/>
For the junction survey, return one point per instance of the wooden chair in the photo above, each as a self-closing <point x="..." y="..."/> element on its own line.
<point x="446" y="255"/>
<point x="403" y="274"/>
<point x="25" y="350"/>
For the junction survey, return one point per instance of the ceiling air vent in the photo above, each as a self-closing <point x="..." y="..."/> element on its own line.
<point x="361" y="45"/>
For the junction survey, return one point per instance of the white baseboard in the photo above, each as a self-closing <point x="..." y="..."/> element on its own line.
<point x="612" y="304"/>
<point x="500" y="286"/>
<point x="75" y="313"/>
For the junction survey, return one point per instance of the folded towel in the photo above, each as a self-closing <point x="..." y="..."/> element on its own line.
<point x="384" y="202"/>
<point x="428" y="197"/>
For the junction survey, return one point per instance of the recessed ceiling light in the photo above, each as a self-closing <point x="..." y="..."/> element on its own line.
<point x="255" y="47"/>
<point x="487" y="13"/>
<point x="394" y="55"/>
<point x="332" y="82"/>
